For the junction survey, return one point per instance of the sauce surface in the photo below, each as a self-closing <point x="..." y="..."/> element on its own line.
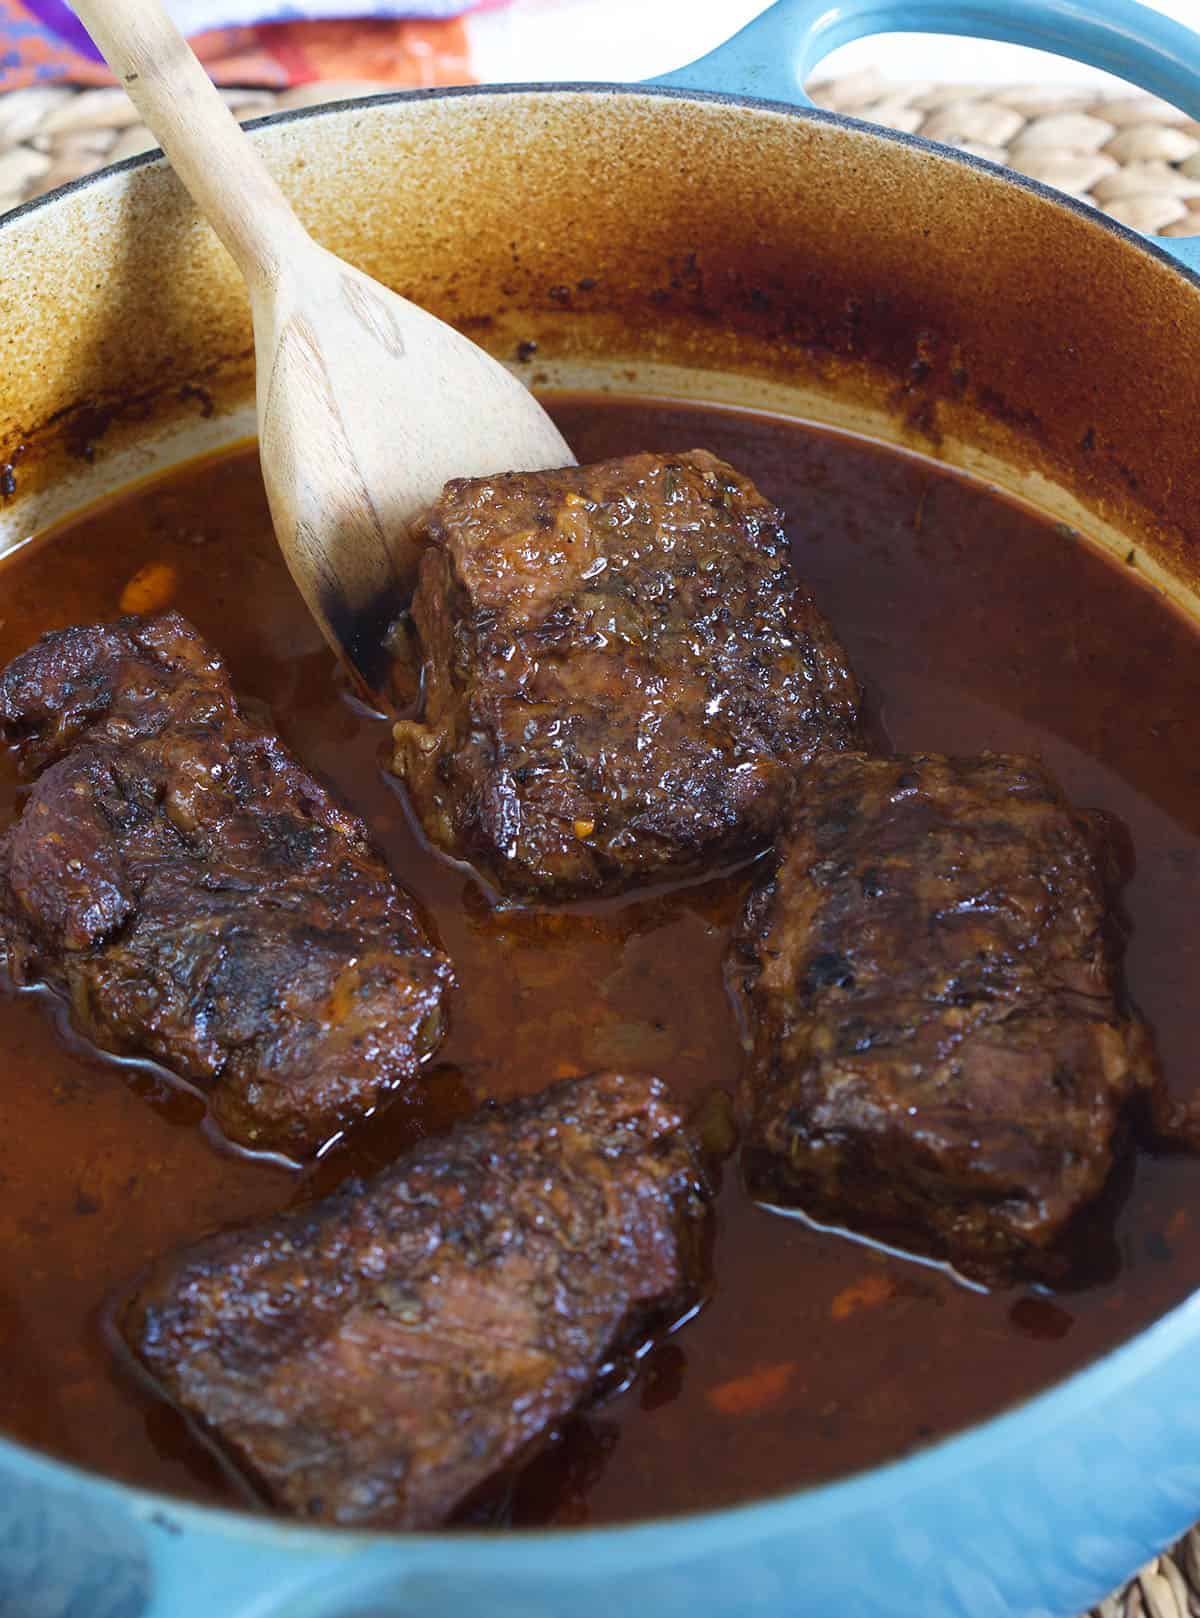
<point x="974" y="623"/>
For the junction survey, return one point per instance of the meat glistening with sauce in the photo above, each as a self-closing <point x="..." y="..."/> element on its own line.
<point x="374" y="1359"/>
<point x="941" y="1054"/>
<point x="814" y="1357"/>
<point x="198" y="896"/>
<point x="621" y="673"/>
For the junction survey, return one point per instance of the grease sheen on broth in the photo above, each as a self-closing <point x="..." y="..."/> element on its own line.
<point x="974" y="623"/>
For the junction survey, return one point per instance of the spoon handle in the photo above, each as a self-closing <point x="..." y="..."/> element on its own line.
<point x="206" y="145"/>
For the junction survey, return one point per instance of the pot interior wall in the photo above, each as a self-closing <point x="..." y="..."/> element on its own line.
<point x="642" y="242"/>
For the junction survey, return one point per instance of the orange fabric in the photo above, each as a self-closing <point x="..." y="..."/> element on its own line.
<point x="408" y="54"/>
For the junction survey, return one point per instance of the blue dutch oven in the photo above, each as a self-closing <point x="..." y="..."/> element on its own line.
<point x="820" y="254"/>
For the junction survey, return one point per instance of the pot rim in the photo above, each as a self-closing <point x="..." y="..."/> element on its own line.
<point x="934" y="1466"/>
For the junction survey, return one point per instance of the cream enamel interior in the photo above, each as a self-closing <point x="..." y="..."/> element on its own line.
<point x="648" y="243"/>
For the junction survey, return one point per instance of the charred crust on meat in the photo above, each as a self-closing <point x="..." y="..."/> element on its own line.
<point x="623" y="646"/>
<point x="200" y="898"/>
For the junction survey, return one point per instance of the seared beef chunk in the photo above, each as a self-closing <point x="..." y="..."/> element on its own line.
<point x="941" y="1054"/>
<point x="621" y="673"/>
<point x="375" y="1358"/>
<point x="198" y="896"/>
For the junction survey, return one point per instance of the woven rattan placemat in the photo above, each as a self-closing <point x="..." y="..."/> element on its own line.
<point x="1131" y="155"/>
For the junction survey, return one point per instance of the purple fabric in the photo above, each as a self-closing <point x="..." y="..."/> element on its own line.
<point x="61" y="20"/>
<point x="59" y="17"/>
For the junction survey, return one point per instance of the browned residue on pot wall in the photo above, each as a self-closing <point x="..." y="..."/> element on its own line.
<point x="644" y="228"/>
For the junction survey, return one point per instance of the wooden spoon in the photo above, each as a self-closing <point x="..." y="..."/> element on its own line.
<point x="366" y="403"/>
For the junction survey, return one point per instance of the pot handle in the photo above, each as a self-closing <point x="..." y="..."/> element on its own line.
<point x="773" y="55"/>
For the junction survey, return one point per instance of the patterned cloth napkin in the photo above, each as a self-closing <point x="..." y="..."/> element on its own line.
<point x="409" y="43"/>
<point x="261" y="42"/>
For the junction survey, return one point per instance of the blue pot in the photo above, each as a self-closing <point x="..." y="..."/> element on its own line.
<point x="1040" y="1511"/>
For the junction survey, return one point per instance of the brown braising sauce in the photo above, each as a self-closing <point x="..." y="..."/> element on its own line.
<point x="974" y="623"/>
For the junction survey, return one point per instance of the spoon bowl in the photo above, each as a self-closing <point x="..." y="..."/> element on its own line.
<point x="367" y="404"/>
